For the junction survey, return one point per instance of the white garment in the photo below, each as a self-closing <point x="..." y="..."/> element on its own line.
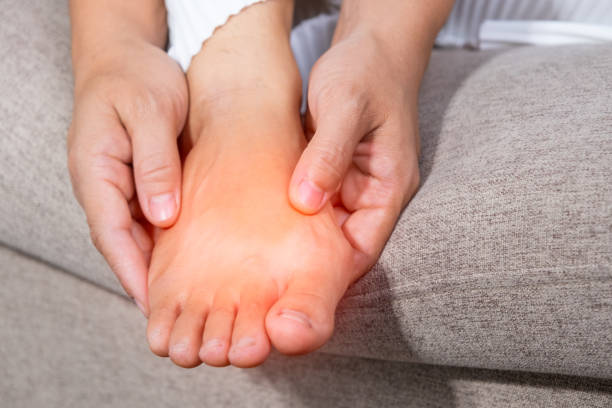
<point x="191" y="22"/>
<point x="494" y="23"/>
<point x="472" y="23"/>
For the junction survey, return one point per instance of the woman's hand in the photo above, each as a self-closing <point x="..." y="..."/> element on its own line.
<point x="363" y="154"/>
<point x="362" y="119"/>
<point x="130" y="106"/>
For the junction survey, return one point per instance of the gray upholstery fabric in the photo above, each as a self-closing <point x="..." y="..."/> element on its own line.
<point x="504" y="257"/>
<point x="67" y="343"/>
<point x="38" y="212"/>
<point x="501" y="261"/>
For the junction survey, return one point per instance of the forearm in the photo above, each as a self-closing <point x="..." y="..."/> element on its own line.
<point x="406" y="29"/>
<point x="101" y="27"/>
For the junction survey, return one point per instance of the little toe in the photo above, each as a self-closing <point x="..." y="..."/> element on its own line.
<point x="303" y="318"/>
<point x="217" y="334"/>
<point x="186" y="337"/>
<point x="250" y="343"/>
<point x="160" y="325"/>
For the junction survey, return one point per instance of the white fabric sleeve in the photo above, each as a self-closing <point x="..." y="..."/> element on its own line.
<point x="507" y="33"/>
<point x="463" y="26"/>
<point x="191" y="22"/>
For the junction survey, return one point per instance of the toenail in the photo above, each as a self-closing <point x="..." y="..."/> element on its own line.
<point x="212" y="344"/>
<point x="296" y="316"/>
<point x="155" y="333"/>
<point x="178" y="348"/>
<point x="244" y="343"/>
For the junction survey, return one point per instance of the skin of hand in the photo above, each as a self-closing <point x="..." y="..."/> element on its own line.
<point x="362" y="119"/>
<point x="130" y="104"/>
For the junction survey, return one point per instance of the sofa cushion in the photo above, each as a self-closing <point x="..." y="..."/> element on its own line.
<point x="502" y="260"/>
<point x="68" y="343"/>
<point x="39" y="214"/>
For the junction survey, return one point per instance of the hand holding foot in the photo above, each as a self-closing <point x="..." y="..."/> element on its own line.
<point x="362" y="120"/>
<point x="125" y="124"/>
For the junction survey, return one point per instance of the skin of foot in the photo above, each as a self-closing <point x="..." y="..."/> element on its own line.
<point x="242" y="270"/>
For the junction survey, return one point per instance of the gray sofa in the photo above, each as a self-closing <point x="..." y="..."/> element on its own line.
<point x="495" y="289"/>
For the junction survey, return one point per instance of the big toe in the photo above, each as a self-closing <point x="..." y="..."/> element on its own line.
<point x="302" y="320"/>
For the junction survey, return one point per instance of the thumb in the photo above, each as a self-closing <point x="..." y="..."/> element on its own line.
<point x="325" y="161"/>
<point x="157" y="169"/>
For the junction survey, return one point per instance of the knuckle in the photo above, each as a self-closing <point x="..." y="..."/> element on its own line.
<point x="155" y="168"/>
<point x="74" y="154"/>
<point x="410" y="184"/>
<point x="345" y="95"/>
<point x="328" y="160"/>
<point x="398" y="177"/>
<point x="97" y="237"/>
<point x="146" y="102"/>
<point x="143" y="102"/>
<point x="101" y="241"/>
<point x="75" y="171"/>
<point x="402" y="187"/>
<point x="73" y="160"/>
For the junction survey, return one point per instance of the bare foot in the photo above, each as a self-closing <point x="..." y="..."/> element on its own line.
<point x="242" y="269"/>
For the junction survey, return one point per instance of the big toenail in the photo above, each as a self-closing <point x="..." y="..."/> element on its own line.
<point x="245" y="342"/>
<point x="296" y="316"/>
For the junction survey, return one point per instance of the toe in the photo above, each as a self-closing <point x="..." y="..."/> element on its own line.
<point x="186" y="337"/>
<point x="217" y="333"/>
<point x="250" y="343"/>
<point x="303" y="318"/>
<point x="160" y="325"/>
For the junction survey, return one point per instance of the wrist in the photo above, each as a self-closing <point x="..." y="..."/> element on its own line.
<point x="404" y="31"/>
<point x="103" y="30"/>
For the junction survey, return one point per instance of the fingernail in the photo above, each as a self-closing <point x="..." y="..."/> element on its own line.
<point x="310" y="195"/>
<point x="162" y="206"/>
<point x="141" y="307"/>
<point x="296" y="316"/>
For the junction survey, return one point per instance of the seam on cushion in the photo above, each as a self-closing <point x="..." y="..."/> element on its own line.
<point x="446" y="287"/>
<point x="61" y="269"/>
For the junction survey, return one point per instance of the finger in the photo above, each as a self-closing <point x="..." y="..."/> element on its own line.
<point x="374" y="205"/>
<point x="341" y="215"/>
<point x="122" y="242"/>
<point x="157" y="167"/>
<point x="326" y="159"/>
<point x="368" y="230"/>
<point x="135" y="209"/>
<point x="98" y="156"/>
<point x="144" y="240"/>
